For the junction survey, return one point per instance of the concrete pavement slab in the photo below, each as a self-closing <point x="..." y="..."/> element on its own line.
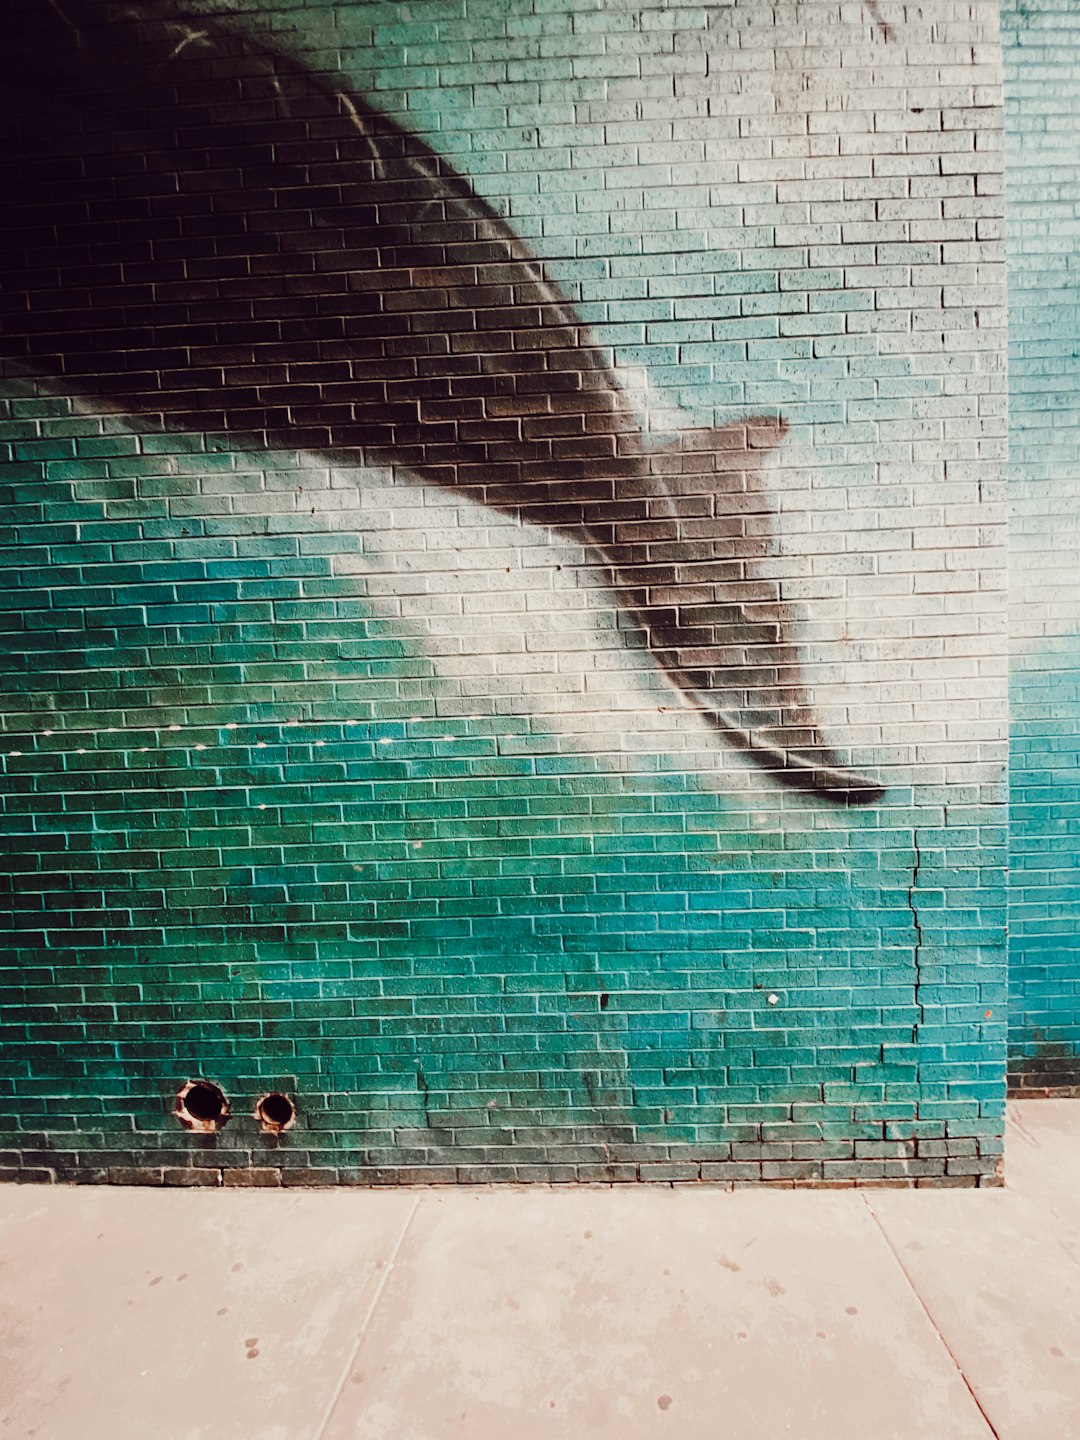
<point x="1001" y="1281"/>
<point x="694" y="1313"/>
<point x="1043" y="1158"/>
<point x="178" y="1315"/>
<point x="512" y="1314"/>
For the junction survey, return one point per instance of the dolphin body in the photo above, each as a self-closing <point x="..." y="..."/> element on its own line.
<point x="204" y="233"/>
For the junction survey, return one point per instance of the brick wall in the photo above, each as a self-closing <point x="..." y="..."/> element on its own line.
<point x="504" y="614"/>
<point x="1041" y="45"/>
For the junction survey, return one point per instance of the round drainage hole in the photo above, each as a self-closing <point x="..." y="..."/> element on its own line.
<point x="201" y="1105"/>
<point x="276" y="1111"/>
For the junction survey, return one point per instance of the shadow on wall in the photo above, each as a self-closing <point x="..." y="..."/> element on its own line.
<point x="1050" y="1070"/>
<point x="250" y="250"/>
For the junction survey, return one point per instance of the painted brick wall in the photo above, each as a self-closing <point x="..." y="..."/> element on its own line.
<point x="504" y="625"/>
<point x="1041" y="44"/>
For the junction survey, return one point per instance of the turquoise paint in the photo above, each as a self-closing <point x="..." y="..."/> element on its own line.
<point x="357" y="905"/>
<point x="1041" y="44"/>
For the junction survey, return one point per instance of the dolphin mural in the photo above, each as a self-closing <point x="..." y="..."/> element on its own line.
<point x="203" y="233"/>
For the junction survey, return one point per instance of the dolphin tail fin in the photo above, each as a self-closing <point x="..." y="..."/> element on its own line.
<point x="699" y="578"/>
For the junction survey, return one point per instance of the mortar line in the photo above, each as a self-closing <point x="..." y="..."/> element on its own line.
<point x="328" y="1414"/>
<point x="927" y="1312"/>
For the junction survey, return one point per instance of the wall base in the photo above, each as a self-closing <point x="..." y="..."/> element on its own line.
<point x="980" y="1173"/>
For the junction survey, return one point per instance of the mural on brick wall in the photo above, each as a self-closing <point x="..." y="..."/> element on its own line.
<point x="291" y="267"/>
<point x="494" y="495"/>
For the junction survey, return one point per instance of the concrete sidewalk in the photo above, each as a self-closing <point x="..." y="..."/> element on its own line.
<point x="419" y="1314"/>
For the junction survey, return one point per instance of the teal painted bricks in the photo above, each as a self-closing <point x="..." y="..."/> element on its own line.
<point x="1041" y="44"/>
<point x="326" y="778"/>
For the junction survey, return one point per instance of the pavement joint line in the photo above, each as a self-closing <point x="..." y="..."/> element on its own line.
<point x="1063" y="1245"/>
<point x="929" y="1315"/>
<point x="1017" y="1123"/>
<point x="328" y="1415"/>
